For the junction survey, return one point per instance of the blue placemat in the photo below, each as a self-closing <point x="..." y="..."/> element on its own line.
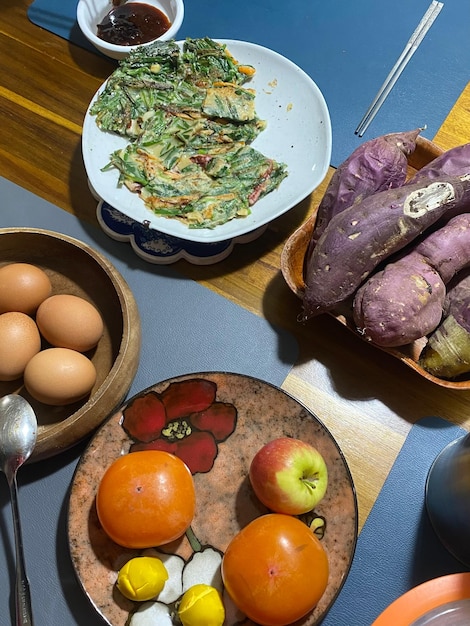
<point x="348" y="48"/>
<point x="397" y="548"/>
<point x="185" y="328"/>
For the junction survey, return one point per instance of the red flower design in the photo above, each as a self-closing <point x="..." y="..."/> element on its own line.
<point x="185" y="420"/>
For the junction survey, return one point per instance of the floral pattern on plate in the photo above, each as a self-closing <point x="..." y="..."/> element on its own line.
<point x="225" y="501"/>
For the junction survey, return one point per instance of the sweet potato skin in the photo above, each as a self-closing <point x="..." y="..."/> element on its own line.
<point x="400" y="303"/>
<point x="362" y="236"/>
<point x="406" y="300"/>
<point x="453" y="162"/>
<point x="462" y="313"/>
<point x="447" y="249"/>
<point x="374" y="166"/>
<point x="447" y="353"/>
<point x="457" y="301"/>
<point x="458" y="290"/>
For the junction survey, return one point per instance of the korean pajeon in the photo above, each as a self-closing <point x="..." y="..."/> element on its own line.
<point x="190" y="122"/>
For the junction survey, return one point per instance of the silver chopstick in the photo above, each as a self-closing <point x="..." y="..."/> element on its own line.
<point x="416" y="38"/>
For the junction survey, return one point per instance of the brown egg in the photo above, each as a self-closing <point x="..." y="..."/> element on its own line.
<point x="19" y="342"/>
<point x="23" y="287"/>
<point x="59" y="376"/>
<point x="68" y="321"/>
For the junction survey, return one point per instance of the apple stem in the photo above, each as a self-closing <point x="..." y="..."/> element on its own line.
<point x="311" y="481"/>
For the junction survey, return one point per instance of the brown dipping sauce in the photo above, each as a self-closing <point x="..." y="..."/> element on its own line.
<point x="132" y="24"/>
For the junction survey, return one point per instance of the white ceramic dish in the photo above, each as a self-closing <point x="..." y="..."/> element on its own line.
<point x="91" y="12"/>
<point x="160" y="249"/>
<point x="298" y="134"/>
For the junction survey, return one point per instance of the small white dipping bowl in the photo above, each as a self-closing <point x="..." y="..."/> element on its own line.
<point x="91" y="12"/>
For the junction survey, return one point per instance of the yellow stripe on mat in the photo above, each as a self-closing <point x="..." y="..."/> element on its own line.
<point x="39" y="110"/>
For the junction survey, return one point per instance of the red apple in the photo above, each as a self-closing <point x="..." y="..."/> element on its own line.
<point x="289" y="476"/>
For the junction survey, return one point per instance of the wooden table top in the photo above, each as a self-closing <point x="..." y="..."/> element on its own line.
<point x="367" y="399"/>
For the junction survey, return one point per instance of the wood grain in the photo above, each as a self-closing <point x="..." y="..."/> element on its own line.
<point x="367" y="399"/>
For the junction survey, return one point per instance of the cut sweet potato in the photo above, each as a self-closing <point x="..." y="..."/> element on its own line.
<point x="357" y="240"/>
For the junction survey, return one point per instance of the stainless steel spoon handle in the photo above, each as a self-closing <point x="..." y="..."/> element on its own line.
<point x="24" y="616"/>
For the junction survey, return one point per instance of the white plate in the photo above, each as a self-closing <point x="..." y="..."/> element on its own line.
<point x="298" y="134"/>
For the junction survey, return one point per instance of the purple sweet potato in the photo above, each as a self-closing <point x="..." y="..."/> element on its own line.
<point x="458" y="290"/>
<point x="401" y="303"/>
<point x="374" y="166"/>
<point x="447" y="249"/>
<point x="362" y="236"/>
<point x="406" y="300"/>
<point x="447" y="353"/>
<point x="453" y="162"/>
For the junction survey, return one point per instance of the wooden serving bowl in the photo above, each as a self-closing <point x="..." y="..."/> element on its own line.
<point x="75" y="268"/>
<point x="292" y="268"/>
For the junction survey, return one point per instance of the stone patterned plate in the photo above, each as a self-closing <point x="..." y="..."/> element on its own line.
<point x="250" y="413"/>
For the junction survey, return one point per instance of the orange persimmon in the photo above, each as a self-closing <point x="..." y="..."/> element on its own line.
<point x="275" y="569"/>
<point x="146" y="499"/>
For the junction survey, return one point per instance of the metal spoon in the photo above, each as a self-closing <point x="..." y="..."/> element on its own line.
<point x="18" y="432"/>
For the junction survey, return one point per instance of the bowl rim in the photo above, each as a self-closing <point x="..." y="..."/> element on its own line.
<point x="59" y="436"/>
<point x="111" y="47"/>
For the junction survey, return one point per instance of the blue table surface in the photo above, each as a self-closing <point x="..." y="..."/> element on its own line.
<point x="348" y="48"/>
<point x="398" y="548"/>
<point x="185" y="328"/>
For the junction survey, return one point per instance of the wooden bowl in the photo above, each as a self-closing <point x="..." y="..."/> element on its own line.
<point x="75" y="268"/>
<point x="292" y="267"/>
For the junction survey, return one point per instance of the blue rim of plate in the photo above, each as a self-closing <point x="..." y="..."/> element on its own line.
<point x="156" y="247"/>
